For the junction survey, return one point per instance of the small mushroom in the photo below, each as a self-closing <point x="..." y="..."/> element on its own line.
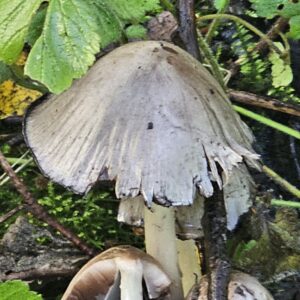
<point x="241" y="287"/>
<point x="119" y="271"/>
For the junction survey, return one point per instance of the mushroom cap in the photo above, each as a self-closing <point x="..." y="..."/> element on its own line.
<point x="100" y="277"/>
<point x="241" y="287"/>
<point x="147" y="115"/>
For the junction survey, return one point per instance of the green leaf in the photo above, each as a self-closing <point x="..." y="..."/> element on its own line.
<point x="220" y="4"/>
<point x="73" y="33"/>
<point x="272" y="8"/>
<point x="282" y="74"/>
<point x="294" y="28"/>
<point x="15" y="17"/>
<point x="17" y="290"/>
<point x="5" y="72"/>
<point x="136" y="32"/>
<point x="132" y="10"/>
<point x="36" y="26"/>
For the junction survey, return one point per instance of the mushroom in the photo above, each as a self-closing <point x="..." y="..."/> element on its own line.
<point x="241" y="287"/>
<point x="119" y="271"/>
<point x="152" y="118"/>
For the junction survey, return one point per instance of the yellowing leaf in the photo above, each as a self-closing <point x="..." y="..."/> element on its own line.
<point x="14" y="99"/>
<point x="282" y="74"/>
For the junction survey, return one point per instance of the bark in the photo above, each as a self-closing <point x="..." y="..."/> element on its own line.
<point x="214" y="226"/>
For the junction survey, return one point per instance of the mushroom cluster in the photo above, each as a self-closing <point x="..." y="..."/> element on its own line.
<point x="151" y="118"/>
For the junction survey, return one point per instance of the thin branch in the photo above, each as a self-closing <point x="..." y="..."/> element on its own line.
<point x="38" y="211"/>
<point x="11" y="213"/>
<point x="265" y="102"/>
<point x="187" y="27"/>
<point x="279" y="26"/>
<point x="281" y="181"/>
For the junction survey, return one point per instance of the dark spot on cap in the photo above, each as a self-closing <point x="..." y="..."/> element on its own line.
<point x="150" y="126"/>
<point x="212" y="91"/>
<point x="170" y="60"/>
<point x="155" y="49"/>
<point x="169" y="49"/>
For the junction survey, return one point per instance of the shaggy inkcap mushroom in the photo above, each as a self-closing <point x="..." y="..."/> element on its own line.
<point x="147" y="115"/>
<point x="118" y="274"/>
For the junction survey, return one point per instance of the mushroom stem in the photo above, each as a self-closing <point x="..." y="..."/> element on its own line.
<point x="160" y="239"/>
<point x="189" y="263"/>
<point x="131" y="279"/>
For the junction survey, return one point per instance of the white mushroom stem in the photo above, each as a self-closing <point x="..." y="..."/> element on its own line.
<point x="131" y="279"/>
<point x="160" y="239"/>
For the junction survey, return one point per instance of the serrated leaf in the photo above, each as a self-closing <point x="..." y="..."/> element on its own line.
<point x="220" y="4"/>
<point x="282" y="74"/>
<point x="294" y="32"/>
<point x="132" y="10"/>
<point x="67" y="45"/>
<point x="136" y="32"/>
<point x="15" y="17"/>
<point x="73" y="33"/>
<point x="17" y="290"/>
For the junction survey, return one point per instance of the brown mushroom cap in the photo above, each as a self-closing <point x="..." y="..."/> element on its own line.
<point x="100" y="277"/>
<point x="147" y="115"/>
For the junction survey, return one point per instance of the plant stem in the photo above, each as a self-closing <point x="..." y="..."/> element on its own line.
<point x="285" y="203"/>
<point x="211" y="60"/>
<point x="244" y="23"/>
<point x="283" y="128"/>
<point x="281" y="181"/>
<point x="160" y="240"/>
<point x="215" y="23"/>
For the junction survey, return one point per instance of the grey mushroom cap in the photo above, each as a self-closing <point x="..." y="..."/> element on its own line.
<point x="241" y="286"/>
<point x="100" y="278"/>
<point x="147" y="115"/>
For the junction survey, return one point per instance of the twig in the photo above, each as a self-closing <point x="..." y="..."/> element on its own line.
<point x="281" y="181"/>
<point x="11" y="213"/>
<point x="215" y="227"/>
<point x="187" y="27"/>
<point x="237" y="19"/>
<point x="214" y="220"/>
<point x="38" y="211"/>
<point x="265" y="102"/>
<point x="279" y="26"/>
<point x="278" y="126"/>
<point x="39" y="274"/>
